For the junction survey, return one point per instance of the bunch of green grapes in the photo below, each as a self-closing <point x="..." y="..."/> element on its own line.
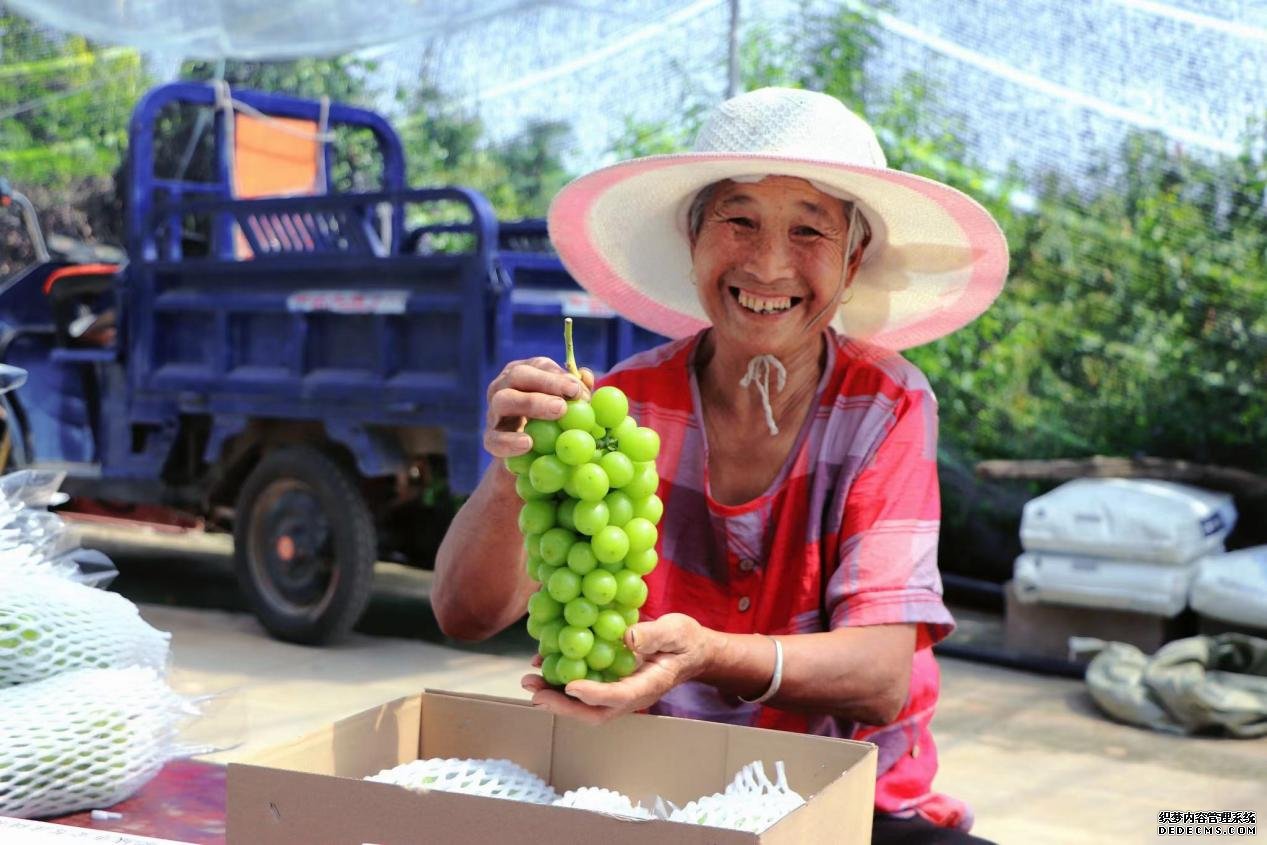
<point x="589" y="523"/>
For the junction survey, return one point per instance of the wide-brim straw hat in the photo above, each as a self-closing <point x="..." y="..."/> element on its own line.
<point x="935" y="261"/>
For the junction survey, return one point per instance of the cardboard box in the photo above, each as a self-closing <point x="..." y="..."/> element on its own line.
<point x="311" y="792"/>
<point x="1044" y="629"/>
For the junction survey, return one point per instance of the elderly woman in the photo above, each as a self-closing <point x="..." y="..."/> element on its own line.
<point x="798" y="585"/>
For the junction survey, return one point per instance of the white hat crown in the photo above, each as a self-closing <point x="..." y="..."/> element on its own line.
<point x="791" y="123"/>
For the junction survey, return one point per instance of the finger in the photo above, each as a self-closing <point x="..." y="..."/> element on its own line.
<point x="533" y="683"/>
<point x="561" y="705"/>
<point x="537" y="660"/>
<point x="587" y="378"/>
<point x="655" y="637"/>
<point x="506" y="444"/>
<point x="510" y="405"/>
<point x="540" y="369"/>
<point x="646" y="685"/>
<point x="529" y="378"/>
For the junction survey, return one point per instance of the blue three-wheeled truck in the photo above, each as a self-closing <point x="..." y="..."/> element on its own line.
<point x="310" y="366"/>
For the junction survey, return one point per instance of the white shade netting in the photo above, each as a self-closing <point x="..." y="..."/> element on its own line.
<point x="85" y="739"/>
<point x="489" y="778"/>
<point x="49" y="625"/>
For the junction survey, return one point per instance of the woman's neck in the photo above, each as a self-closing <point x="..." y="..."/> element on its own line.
<point x="721" y="368"/>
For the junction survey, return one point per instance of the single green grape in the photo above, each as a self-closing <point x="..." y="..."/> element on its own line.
<point x="598" y="432"/>
<point x="536" y="517"/>
<point x="594" y="675"/>
<point x="601" y="654"/>
<point x="590" y="517"/>
<point x="610" y="406"/>
<point x="563" y="514"/>
<point x="532" y="545"/>
<point x="523" y="486"/>
<point x="627" y="424"/>
<point x="641" y="533"/>
<point x="581" y="558"/>
<point x="544" y="571"/>
<point x="590" y="482"/>
<point x="547" y="474"/>
<point x="610" y="545"/>
<point x="569" y="488"/>
<point x="619" y="469"/>
<point x="571" y="669"/>
<point x="543" y="607"/>
<point x="631" y="590"/>
<point x="643" y="563"/>
<point x="534" y="626"/>
<point x="548" y="643"/>
<point x="644" y="482"/>
<point x="599" y="586"/>
<point x="574" y="447"/>
<point x="533" y="565"/>
<point x="629" y="614"/>
<point x="610" y="626"/>
<point x="619" y="508"/>
<point x="640" y="444"/>
<point x="580" y="612"/>
<point x="555" y="544"/>
<point x="578" y="415"/>
<point x="543" y="434"/>
<point x="624" y="663"/>
<point x="550" y="670"/>
<point x="564" y="585"/>
<point x="649" y="508"/>
<point x="518" y="464"/>
<point x="575" y="641"/>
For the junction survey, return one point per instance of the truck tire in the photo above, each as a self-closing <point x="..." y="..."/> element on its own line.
<point x="304" y="546"/>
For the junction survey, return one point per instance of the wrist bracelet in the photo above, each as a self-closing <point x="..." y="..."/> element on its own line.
<point x="775" y="680"/>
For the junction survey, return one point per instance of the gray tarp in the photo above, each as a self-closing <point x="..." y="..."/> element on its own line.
<point x="1196" y="685"/>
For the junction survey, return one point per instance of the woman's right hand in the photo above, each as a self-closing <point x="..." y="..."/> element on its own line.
<point x="532" y="389"/>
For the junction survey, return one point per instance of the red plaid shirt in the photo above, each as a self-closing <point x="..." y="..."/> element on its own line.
<point x="856" y="503"/>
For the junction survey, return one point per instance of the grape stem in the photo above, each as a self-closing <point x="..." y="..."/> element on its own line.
<point x="568" y="351"/>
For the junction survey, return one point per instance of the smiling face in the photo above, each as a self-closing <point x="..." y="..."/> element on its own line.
<point x="769" y="262"/>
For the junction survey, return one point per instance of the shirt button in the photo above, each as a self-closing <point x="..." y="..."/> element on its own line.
<point x="747" y="564"/>
<point x="744" y="604"/>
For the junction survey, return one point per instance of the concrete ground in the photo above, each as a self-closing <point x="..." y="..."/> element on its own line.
<point x="1030" y="753"/>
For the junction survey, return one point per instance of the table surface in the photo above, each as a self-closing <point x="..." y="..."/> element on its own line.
<point x="184" y="802"/>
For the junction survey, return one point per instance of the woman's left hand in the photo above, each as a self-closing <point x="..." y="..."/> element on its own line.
<point x="673" y="649"/>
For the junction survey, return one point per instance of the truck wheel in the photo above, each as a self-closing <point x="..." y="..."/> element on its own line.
<point x="304" y="546"/>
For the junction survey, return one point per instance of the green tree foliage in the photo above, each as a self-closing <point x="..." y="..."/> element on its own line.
<point x="447" y="145"/>
<point x="64" y="105"/>
<point x="1134" y="320"/>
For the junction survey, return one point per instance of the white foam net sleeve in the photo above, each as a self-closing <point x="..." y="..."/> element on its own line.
<point x="84" y="739"/>
<point x="490" y="778"/>
<point x="751" y="802"/>
<point x="49" y="625"/>
<point x="603" y="801"/>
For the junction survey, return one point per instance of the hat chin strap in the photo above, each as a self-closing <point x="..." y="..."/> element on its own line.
<point x="758" y="375"/>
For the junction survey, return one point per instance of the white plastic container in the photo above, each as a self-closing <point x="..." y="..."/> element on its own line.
<point x="1128" y="519"/>
<point x="1141" y="587"/>
<point x="1232" y="587"/>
